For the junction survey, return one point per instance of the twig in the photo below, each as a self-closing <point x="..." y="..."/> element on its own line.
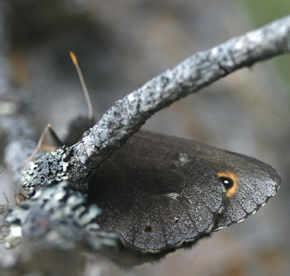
<point x="130" y="113"/>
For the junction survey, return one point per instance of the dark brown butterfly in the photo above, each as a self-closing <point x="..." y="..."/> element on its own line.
<point x="162" y="193"/>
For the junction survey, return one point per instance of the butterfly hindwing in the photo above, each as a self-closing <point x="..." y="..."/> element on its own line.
<point x="156" y="197"/>
<point x="161" y="192"/>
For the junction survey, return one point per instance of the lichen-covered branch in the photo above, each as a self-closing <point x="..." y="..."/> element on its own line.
<point x="129" y="114"/>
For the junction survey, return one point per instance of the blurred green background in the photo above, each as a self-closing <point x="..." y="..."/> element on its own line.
<point x="261" y="13"/>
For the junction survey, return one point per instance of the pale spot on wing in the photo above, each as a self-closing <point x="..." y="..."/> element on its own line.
<point x="173" y="195"/>
<point x="183" y="158"/>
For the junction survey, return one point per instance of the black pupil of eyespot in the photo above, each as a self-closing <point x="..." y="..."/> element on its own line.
<point x="148" y="229"/>
<point x="228" y="183"/>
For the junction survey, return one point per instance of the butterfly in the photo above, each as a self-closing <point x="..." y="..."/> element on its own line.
<point x="161" y="193"/>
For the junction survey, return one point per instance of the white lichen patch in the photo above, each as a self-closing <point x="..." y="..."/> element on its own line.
<point x="14" y="236"/>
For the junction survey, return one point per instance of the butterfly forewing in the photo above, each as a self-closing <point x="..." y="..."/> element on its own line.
<point x="256" y="181"/>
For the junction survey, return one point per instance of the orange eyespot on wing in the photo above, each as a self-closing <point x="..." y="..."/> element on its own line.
<point x="230" y="181"/>
<point x="148" y="229"/>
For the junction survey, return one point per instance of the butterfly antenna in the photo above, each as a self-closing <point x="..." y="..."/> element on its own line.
<point x="40" y="143"/>
<point x="88" y="99"/>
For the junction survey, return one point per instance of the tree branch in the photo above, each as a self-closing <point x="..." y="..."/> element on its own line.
<point x="129" y="114"/>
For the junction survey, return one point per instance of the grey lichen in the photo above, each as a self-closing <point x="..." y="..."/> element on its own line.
<point x="58" y="216"/>
<point x="50" y="169"/>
